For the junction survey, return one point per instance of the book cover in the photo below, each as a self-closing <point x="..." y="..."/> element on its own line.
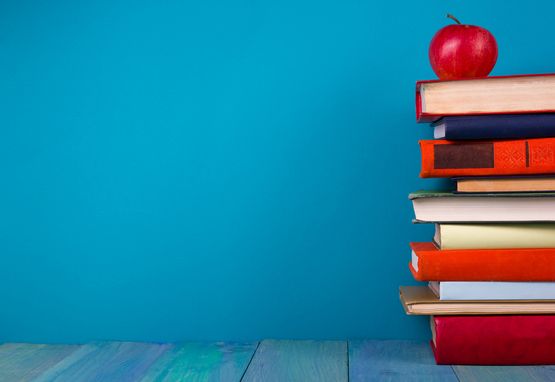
<point x="494" y="340"/>
<point x="442" y="158"/>
<point x="524" y="264"/>
<point x="501" y="126"/>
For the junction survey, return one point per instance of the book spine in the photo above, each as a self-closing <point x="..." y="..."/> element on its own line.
<point x="459" y="131"/>
<point x="495" y="340"/>
<point x="442" y="158"/>
<point x="418" y="103"/>
<point x="420" y="116"/>
<point x="480" y="265"/>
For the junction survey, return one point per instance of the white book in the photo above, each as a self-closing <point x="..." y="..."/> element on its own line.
<point x="493" y="290"/>
<point x="445" y="207"/>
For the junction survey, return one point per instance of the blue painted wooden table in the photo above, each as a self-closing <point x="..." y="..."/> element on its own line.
<point x="268" y="360"/>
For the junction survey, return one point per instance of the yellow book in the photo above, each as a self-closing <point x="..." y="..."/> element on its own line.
<point x="492" y="236"/>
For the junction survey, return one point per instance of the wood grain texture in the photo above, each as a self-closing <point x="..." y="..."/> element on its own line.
<point x="505" y="373"/>
<point x="106" y="362"/>
<point x="24" y="362"/>
<point x="53" y="372"/>
<point x="302" y="361"/>
<point x="205" y="362"/>
<point x="395" y="361"/>
<point x="273" y="361"/>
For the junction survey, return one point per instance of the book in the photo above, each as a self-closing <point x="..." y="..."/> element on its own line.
<point x="420" y="300"/>
<point x="441" y="158"/>
<point x="429" y="263"/>
<point x="500" y="126"/>
<point x="493" y="290"/>
<point x="495" y="236"/>
<point x="524" y="94"/>
<point x="506" y="184"/>
<point x="437" y="206"/>
<point x="493" y="340"/>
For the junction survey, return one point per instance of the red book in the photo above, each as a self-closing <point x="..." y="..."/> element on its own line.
<point x="524" y="94"/>
<point x="441" y="158"/>
<point x="493" y="340"/>
<point x="520" y="264"/>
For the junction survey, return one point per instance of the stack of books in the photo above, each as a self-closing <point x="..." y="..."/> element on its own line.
<point x="490" y="267"/>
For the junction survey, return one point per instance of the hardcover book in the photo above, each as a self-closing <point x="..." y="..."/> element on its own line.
<point x="495" y="236"/>
<point x="437" y="206"/>
<point x="506" y="184"/>
<point x="441" y="158"/>
<point x="493" y="340"/>
<point x="501" y="126"/>
<point x="420" y="300"/>
<point x="492" y="290"/>
<point x="432" y="264"/>
<point x="525" y="94"/>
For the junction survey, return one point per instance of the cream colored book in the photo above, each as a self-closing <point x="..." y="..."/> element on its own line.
<point x="509" y="184"/>
<point x="495" y="236"/>
<point x="492" y="95"/>
<point x="420" y="300"/>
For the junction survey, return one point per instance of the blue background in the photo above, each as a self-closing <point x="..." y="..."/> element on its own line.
<point x="205" y="170"/>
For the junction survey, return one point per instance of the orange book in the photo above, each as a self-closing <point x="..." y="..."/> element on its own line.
<point x="441" y="158"/>
<point x="520" y="264"/>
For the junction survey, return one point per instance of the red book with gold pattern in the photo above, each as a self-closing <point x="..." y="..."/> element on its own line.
<point x="442" y="159"/>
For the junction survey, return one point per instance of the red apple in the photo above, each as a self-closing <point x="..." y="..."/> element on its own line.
<point x="462" y="51"/>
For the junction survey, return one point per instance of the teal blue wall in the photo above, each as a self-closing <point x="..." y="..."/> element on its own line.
<point x="206" y="170"/>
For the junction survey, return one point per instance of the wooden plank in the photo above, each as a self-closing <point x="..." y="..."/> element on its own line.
<point x="505" y="373"/>
<point x="113" y="361"/>
<point x="53" y="372"/>
<point x="202" y="362"/>
<point x="24" y="362"/>
<point x="395" y="361"/>
<point x="302" y="361"/>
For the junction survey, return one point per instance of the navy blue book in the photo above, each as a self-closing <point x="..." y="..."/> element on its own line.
<point x="498" y="126"/>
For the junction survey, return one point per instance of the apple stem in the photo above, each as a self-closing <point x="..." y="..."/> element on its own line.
<point x="454" y="18"/>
